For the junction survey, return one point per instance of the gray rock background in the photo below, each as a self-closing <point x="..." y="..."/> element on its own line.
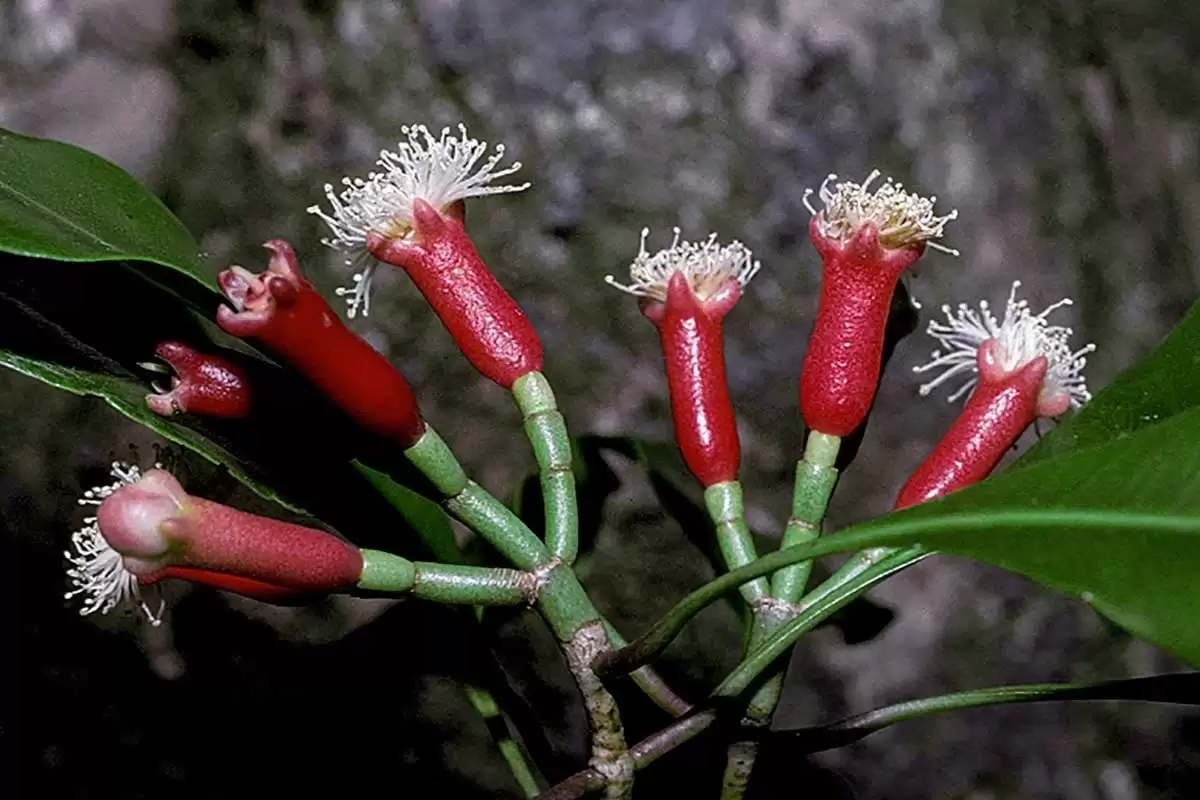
<point x="1066" y="133"/>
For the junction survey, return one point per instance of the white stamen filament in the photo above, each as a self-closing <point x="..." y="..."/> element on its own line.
<point x="441" y="171"/>
<point x="903" y="218"/>
<point x="706" y="265"/>
<point x="97" y="571"/>
<point x="1021" y="336"/>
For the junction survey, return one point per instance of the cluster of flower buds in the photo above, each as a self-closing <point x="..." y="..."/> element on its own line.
<point x="411" y="215"/>
<point x="1022" y="367"/>
<point x="147" y="528"/>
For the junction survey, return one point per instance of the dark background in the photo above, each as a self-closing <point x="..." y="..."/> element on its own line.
<point x="1066" y="133"/>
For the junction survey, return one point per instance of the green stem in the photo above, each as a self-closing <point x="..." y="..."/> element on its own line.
<point x="814" y="612"/>
<point x="565" y="604"/>
<point x="903" y="528"/>
<point x="650" y="682"/>
<point x="1179" y="688"/>
<point x="384" y="572"/>
<point x="460" y="584"/>
<point x="487" y="707"/>
<point x="469" y="503"/>
<point x="547" y="432"/>
<point x="453" y="584"/>
<point x="815" y="478"/>
<point x="727" y="510"/>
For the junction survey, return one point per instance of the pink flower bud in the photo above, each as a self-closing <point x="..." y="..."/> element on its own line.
<point x="1018" y="369"/>
<point x="865" y="240"/>
<point x="147" y="528"/>
<point x="201" y="384"/>
<point x="686" y="291"/>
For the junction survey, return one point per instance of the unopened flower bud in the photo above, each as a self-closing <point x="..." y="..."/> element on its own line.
<point x="282" y="310"/>
<point x="201" y="384"/>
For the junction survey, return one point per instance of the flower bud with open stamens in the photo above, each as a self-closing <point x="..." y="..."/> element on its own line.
<point x="411" y="215"/>
<point x="1017" y="369"/>
<point x="866" y="240"/>
<point x="686" y="290"/>
<point x="147" y="529"/>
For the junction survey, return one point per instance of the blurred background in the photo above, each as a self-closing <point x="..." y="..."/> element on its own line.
<point x="1065" y="132"/>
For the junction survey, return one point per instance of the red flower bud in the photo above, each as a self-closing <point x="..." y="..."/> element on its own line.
<point x="1023" y="369"/>
<point x="201" y="384"/>
<point x="486" y="323"/>
<point x="865" y="242"/>
<point x="282" y="310"/>
<point x="686" y="291"/>
<point x="147" y="528"/>
<point x="410" y="215"/>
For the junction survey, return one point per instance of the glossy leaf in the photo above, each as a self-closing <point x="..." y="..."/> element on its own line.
<point x="1165" y="383"/>
<point x="60" y="202"/>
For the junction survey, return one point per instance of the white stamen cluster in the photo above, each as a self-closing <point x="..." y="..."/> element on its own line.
<point x="440" y="171"/>
<point x="1021" y="337"/>
<point x="97" y="571"/>
<point x="903" y="218"/>
<point x="707" y="266"/>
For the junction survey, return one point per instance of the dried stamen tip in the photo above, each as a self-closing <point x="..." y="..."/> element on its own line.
<point x="441" y="171"/>
<point x="1020" y="337"/>
<point x="707" y="266"/>
<point x="97" y="571"/>
<point x="902" y="218"/>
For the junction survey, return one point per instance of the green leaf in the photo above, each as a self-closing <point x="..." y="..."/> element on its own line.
<point x="1165" y="383"/>
<point x="425" y="516"/>
<point x="87" y="331"/>
<point x="1117" y="525"/>
<point x="128" y="397"/>
<point x="60" y="202"/>
<point x="1179" y="689"/>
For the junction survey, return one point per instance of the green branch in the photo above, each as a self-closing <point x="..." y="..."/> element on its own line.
<point x="547" y="432"/>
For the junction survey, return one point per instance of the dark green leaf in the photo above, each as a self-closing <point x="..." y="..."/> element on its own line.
<point x="425" y="516"/>
<point x="1155" y="389"/>
<point x="86" y="331"/>
<point x="60" y="202"/>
